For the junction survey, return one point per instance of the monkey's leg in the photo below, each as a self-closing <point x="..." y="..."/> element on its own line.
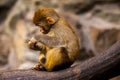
<point x="40" y="64"/>
<point x="56" y="59"/>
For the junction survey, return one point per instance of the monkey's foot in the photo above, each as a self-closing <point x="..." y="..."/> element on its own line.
<point x="38" y="67"/>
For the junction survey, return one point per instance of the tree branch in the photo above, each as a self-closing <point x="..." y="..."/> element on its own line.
<point x="101" y="67"/>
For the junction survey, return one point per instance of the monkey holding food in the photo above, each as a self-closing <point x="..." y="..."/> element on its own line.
<point x="57" y="42"/>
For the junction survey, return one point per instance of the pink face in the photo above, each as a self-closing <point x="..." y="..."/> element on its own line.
<point x="42" y="29"/>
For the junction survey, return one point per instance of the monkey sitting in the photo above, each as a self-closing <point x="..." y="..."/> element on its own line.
<point x="57" y="41"/>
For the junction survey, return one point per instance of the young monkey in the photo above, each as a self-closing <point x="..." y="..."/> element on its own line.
<point x="58" y="43"/>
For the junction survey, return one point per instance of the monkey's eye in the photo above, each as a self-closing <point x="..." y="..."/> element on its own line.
<point x="39" y="19"/>
<point x="39" y="25"/>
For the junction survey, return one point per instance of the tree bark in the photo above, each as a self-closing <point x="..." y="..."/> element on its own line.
<point x="101" y="67"/>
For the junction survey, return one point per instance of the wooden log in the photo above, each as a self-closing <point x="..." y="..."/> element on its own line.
<point x="101" y="67"/>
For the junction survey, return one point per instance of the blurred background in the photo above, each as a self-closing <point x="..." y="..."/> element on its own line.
<point x="96" y="22"/>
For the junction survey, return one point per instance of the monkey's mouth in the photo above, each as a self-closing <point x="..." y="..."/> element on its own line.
<point x="42" y="30"/>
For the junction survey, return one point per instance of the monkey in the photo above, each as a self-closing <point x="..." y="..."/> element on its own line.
<point x="57" y="42"/>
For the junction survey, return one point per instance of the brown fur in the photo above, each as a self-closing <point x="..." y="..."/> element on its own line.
<point x="59" y="43"/>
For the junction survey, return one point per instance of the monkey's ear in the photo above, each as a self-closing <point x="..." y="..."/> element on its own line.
<point x="50" y="20"/>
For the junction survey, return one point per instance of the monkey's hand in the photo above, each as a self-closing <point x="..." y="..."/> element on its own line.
<point x="34" y="44"/>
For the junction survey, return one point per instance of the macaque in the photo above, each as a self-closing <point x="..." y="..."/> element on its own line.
<point x="57" y="42"/>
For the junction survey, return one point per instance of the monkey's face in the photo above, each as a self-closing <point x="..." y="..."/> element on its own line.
<point x="44" y="18"/>
<point x="45" y="24"/>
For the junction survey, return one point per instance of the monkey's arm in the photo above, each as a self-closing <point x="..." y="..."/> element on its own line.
<point x="49" y="41"/>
